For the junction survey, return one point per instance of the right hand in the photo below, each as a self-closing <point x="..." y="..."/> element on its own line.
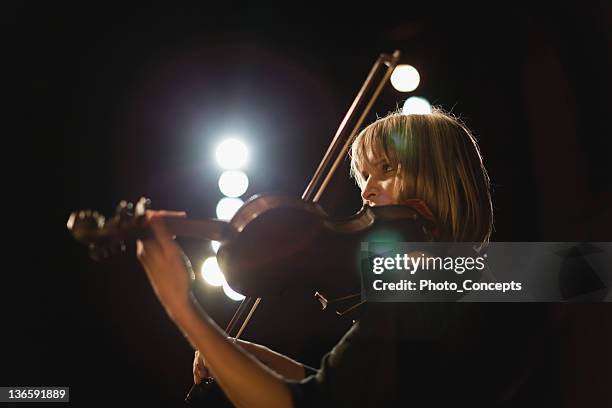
<point x="200" y="371"/>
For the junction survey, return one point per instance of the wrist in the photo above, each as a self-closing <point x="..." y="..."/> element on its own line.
<point x="181" y="309"/>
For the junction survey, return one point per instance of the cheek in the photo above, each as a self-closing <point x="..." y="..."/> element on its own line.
<point x="402" y="188"/>
<point x="391" y="188"/>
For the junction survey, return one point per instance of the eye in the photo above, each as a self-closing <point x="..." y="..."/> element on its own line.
<point x="386" y="167"/>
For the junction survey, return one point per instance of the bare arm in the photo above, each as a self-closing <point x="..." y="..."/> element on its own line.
<point x="245" y="381"/>
<point x="283" y="365"/>
<point x="278" y="362"/>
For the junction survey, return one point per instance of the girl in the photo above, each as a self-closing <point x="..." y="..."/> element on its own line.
<point x="395" y="353"/>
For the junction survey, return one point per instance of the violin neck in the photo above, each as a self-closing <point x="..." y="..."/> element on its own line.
<point x="213" y="229"/>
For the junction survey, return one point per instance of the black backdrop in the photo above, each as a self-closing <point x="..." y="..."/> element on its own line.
<point x="107" y="103"/>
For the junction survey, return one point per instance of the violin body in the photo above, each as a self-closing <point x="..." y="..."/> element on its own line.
<point x="286" y="243"/>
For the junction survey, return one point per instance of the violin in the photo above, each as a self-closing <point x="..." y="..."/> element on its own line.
<point x="276" y="242"/>
<point x="272" y="244"/>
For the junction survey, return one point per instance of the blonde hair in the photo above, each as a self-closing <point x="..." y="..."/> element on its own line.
<point x="437" y="159"/>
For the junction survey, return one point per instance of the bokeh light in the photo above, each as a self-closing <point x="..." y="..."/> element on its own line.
<point x="227" y="207"/>
<point x="405" y="78"/>
<point x="215" y="245"/>
<point x="233" y="183"/>
<point x="231" y="293"/>
<point x="231" y="154"/>
<point x="415" y="105"/>
<point x="211" y="272"/>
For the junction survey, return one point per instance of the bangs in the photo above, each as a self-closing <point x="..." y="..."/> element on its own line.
<point x="377" y="141"/>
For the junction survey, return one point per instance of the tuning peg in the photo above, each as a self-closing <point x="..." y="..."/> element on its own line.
<point x="123" y="207"/>
<point x="142" y="205"/>
<point x="124" y="212"/>
<point x="84" y="222"/>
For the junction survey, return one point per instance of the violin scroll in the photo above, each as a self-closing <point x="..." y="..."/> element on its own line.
<point x="107" y="237"/>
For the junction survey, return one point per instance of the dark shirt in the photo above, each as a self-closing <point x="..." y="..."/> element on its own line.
<point x="439" y="354"/>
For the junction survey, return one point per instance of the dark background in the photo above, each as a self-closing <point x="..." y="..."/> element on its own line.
<point x="109" y="103"/>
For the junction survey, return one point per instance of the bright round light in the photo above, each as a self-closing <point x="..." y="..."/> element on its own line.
<point x="227" y="207"/>
<point x="231" y="293"/>
<point x="416" y="105"/>
<point x="405" y="78"/>
<point x="211" y="272"/>
<point x="231" y="154"/>
<point x="233" y="183"/>
<point x="215" y="245"/>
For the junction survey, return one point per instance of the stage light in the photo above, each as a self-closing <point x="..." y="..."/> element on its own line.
<point x="231" y="154"/>
<point x="215" y="245"/>
<point x="405" y="78"/>
<point x="231" y="293"/>
<point x="227" y="207"/>
<point x="233" y="183"/>
<point x="416" y="105"/>
<point x="211" y="272"/>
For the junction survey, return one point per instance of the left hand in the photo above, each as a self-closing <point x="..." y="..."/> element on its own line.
<point x="163" y="260"/>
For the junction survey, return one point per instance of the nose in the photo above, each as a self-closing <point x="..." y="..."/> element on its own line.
<point x="370" y="191"/>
